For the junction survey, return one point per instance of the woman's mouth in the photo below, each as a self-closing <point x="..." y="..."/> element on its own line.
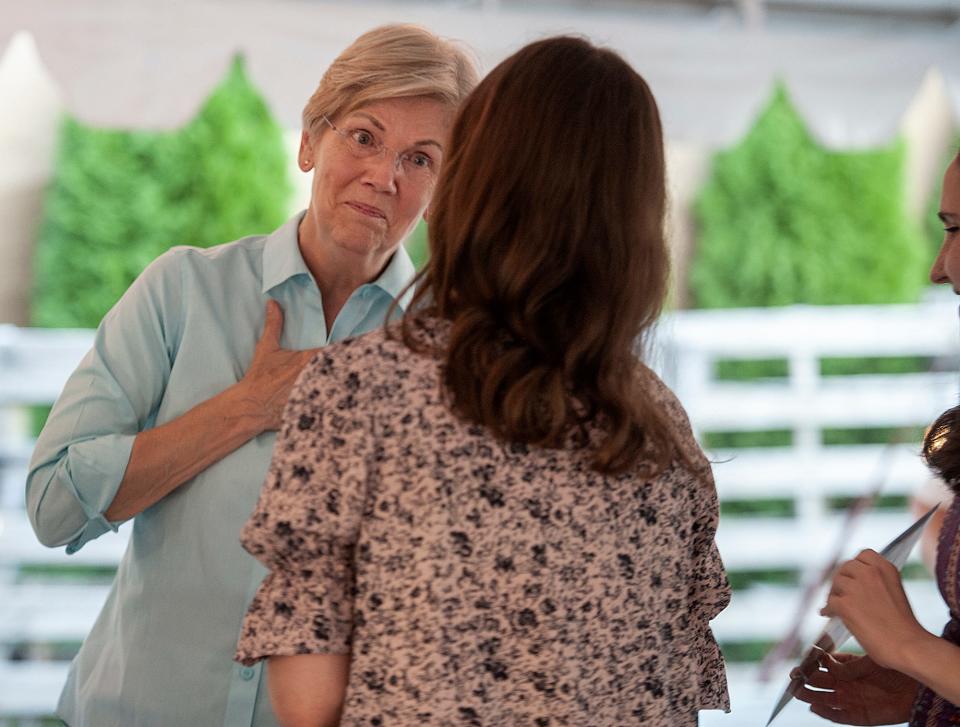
<point x="368" y="210"/>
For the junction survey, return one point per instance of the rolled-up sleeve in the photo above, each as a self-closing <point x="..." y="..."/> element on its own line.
<point x="306" y="523"/>
<point x="82" y="453"/>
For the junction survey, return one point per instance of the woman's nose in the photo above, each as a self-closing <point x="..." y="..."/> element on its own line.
<point x="382" y="171"/>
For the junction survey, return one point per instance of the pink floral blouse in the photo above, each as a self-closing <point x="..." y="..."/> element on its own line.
<point x="474" y="581"/>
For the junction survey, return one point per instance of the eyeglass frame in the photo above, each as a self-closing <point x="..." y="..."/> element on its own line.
<point x="379" y="149"/>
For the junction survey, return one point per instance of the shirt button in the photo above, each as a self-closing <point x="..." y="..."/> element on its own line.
<point x="247" y="673"/>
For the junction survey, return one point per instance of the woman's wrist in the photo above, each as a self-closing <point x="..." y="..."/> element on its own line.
<point x="911" y="655"/>
<point x="246" y="411"/>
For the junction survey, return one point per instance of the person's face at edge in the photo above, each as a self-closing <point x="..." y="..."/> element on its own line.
<point x="366" y="207"/>
<point x="946" y="268"/>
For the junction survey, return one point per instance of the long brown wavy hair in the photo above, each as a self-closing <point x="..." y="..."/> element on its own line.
<point x="547" y="253"/>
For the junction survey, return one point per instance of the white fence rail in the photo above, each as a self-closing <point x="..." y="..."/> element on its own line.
<point x="808" y="475"/>
<point x="43" y="616"/>
<point x="39" y="614"/>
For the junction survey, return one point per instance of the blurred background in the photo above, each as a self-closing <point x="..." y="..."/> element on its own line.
<point x="806" y="142"/>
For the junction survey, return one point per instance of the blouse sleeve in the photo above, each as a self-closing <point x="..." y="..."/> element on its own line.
<point x="708" y="595"/>
<point x="82" y="453"/>
<point x="708" y="591"/>
<point x="306" y="521"/>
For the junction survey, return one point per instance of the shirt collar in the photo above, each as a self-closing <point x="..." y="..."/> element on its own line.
<point x="395" y="277"/>
<point x="281" y="254"/>
<point x="282" y="260"/>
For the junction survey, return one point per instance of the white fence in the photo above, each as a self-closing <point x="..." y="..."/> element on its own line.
<point x="47" y="602"/>
<point x="808" y="475"/>
<point x="44" y="615"/>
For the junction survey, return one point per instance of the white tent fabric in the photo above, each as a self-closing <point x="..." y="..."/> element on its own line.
<point x="149" y="64"/>
<point x="29" y="103"/>
<point x="30" y="108"/>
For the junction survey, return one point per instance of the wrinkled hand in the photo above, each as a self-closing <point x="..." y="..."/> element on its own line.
<point x="859" y="691"/>
<point x="273" y="371"/>
<point x="868" y="597"/>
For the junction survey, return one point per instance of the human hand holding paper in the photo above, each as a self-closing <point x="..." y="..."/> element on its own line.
<point x="836" y="633"/>
<point x="860" y="692"/>
<point x="867" y="596"/>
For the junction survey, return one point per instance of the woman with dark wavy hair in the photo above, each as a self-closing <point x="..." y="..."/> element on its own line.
<point x="493" y="513"/>
<point x="908" y="672"/>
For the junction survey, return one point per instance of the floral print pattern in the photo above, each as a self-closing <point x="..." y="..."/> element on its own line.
<point x="475" y="581"/>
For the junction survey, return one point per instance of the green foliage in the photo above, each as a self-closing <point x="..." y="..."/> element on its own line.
<point x="897" y="503"/>
<point x="874" y="365"/>
<point x="106" y="216"/>
<point x="417" y="245"/>
<point x="64" y="573"/>
<point x="915" y="572"/>
<point x="736" y="369"/>
<point x="741" y="580"/>
<point x="37" y="415"/>
<point x="750" y="369"/>
<point x="745" y="439"/>
<point x="842" y="436"/>
<point x="120" y="198"/>
<point x="240" y="187"/>
<point x="784" y="221"/>
<point x="768" y="507"/>
<point x="746" y="651"/>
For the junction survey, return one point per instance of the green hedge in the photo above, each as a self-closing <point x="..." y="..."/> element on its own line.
<point x="417" y="245"/>
<point x="783" y="220"/>
<point x="120" y="198"/>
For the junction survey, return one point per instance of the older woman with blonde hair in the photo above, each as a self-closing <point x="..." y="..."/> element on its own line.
<point x="492" y="512"/>
<point x="171" y="417"/>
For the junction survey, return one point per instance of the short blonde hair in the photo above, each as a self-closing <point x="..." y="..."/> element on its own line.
<point x="392" y="61"/>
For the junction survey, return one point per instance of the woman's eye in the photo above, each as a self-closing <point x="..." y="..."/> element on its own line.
<point x="362" y="137"/>
<point x="419" y="159"/>
<point x="951" y="230"/>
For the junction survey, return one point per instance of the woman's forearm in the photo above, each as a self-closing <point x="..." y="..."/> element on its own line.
<point x="935" y="662"/>
<point x="168" y="456"/>
<point x="174" y="453"/>
<point x="308" y="690"/>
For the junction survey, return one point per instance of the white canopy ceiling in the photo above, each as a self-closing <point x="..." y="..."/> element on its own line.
<point x="150" y="63"/>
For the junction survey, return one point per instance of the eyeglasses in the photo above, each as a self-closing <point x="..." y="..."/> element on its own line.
<point x="418" y="166"/>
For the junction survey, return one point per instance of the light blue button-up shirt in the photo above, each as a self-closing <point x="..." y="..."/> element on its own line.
<point x="160" y="653"/>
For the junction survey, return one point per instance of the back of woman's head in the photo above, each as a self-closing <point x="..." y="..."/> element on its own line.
<point x="941" y="448"/>
<point x="547" y="249"/>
